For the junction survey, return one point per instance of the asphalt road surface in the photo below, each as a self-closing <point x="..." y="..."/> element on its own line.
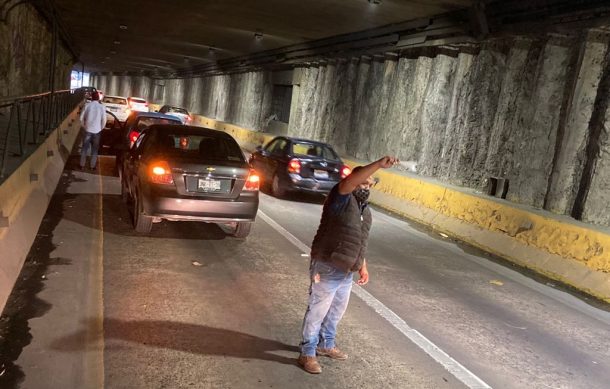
<point x="99" y="305"/>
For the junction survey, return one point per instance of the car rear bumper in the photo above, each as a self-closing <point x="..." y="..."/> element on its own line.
<point x="191" y="208"/>
<point x="312" y="185"/>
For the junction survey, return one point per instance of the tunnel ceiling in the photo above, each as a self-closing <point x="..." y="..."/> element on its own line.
<point x="168" y="35"/>
<point x="195" y="37"/>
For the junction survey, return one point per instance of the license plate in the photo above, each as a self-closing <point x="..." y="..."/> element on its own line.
<point x="208" y="185"/>
<point x="320" y="173"/>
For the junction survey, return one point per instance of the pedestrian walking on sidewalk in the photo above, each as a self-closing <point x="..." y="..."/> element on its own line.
<point x="337" y="253"/>
<point x="93" y="120"/>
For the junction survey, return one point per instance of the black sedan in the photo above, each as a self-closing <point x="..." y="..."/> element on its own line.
<point x="189" y="173"/>
<point x="293" y="164"/>
<point x="119" y="135"/>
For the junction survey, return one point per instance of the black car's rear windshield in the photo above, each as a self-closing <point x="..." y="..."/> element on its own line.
<point x="199" y="146"/>
<point x="115" y="100"/>
<point x="144" y="122"/>
<point x="314" y="150"/>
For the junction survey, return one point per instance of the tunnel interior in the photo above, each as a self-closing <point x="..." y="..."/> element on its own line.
<point x="499" y="111"/>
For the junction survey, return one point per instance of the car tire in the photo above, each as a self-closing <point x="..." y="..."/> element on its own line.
<point x="276" y="187"/>
<point x="242" y="230"/>
<point x="141" y="222"/>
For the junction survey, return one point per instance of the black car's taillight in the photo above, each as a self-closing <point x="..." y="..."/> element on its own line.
<point x="160" y="173"/>
<point x="253" y="181"/>
<point x="133" y="136"/>
<point x="294" y="166"/>
<point x="345" y="171"/>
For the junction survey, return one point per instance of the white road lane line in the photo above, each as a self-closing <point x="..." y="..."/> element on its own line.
<point x="454" y="367"/>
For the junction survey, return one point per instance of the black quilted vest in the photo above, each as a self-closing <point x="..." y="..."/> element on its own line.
<point x="341" y="239"/>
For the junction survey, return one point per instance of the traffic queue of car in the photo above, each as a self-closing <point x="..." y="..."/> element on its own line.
<point x="170" y="170"/>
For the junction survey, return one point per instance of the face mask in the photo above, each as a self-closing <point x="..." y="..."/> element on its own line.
<point x="362" y="195"/>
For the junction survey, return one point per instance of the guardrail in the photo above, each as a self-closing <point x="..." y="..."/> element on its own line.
<point x="26" y="121"/>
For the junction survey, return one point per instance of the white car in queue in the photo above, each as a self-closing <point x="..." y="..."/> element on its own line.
<point x="137" y="104"/>
<point x="118" y="106"/>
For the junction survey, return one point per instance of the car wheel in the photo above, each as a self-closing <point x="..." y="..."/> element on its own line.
<point x="276" y="187"/>
<point x="242" y="230"/>
<point x="141" y="222"/>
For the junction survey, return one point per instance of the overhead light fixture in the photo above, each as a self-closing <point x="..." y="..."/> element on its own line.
<point x="211" y="50"/>
<point x="122" y="27"/>
<point x="258" y="35"/>
<point x="106" y="57"/>
<point x="112" y="52"/>
<point x="376" y="2"/>
<point x="117" y="42"/>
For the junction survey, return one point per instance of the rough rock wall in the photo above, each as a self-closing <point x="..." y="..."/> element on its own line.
<point x="114" y="88"/>
<point x="596" y="207"/>
<point x="101" y="83"/>
<point x="141" y="87"/>
<point x="125" y="86"/>
<point x="571" y="156"/>
<point x="243" y="99"/>
<point x="523" y="136"/>
<point x="25" y="52"/>
<point x="174" y="92"/>
<point x="463" y="118"/>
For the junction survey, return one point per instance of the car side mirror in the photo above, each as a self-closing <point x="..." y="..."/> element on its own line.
<point x="259" y="148"/>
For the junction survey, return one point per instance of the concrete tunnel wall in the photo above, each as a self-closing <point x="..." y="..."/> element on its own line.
<point x="243" y="99"/>
<point x="524" y="109"/>
<point x="25" y="52"/>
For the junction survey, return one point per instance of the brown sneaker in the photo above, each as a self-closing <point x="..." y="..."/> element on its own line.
<point x="333" y="353"/>
<point x="310" y="364"/>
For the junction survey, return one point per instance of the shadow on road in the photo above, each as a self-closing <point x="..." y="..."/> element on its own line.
<point x="105" y="165"/>
<point x="117" y="219"/>
<point x="298" y="197"/>
<point x="190" y="338"/>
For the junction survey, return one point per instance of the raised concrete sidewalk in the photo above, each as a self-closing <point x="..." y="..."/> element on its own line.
<point x="24" y="197"/>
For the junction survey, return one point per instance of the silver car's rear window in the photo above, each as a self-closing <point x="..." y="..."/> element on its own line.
<point x="144" y="122"/>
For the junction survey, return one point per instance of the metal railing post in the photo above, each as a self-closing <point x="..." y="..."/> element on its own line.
<point x="18" y="107"/>
<point x="6" y="143"/>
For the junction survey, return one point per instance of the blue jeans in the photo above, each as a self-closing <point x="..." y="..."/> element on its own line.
<point x="328" y="298"/>
<point x="92" y="140"/>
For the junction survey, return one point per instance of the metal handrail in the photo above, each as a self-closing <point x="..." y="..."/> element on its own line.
<point x="12" y="99"/>
<point x="26" y="121"/>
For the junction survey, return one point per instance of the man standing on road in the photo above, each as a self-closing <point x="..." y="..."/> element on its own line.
<point x="337" y="252"/>
<point x="93" y="120"/>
